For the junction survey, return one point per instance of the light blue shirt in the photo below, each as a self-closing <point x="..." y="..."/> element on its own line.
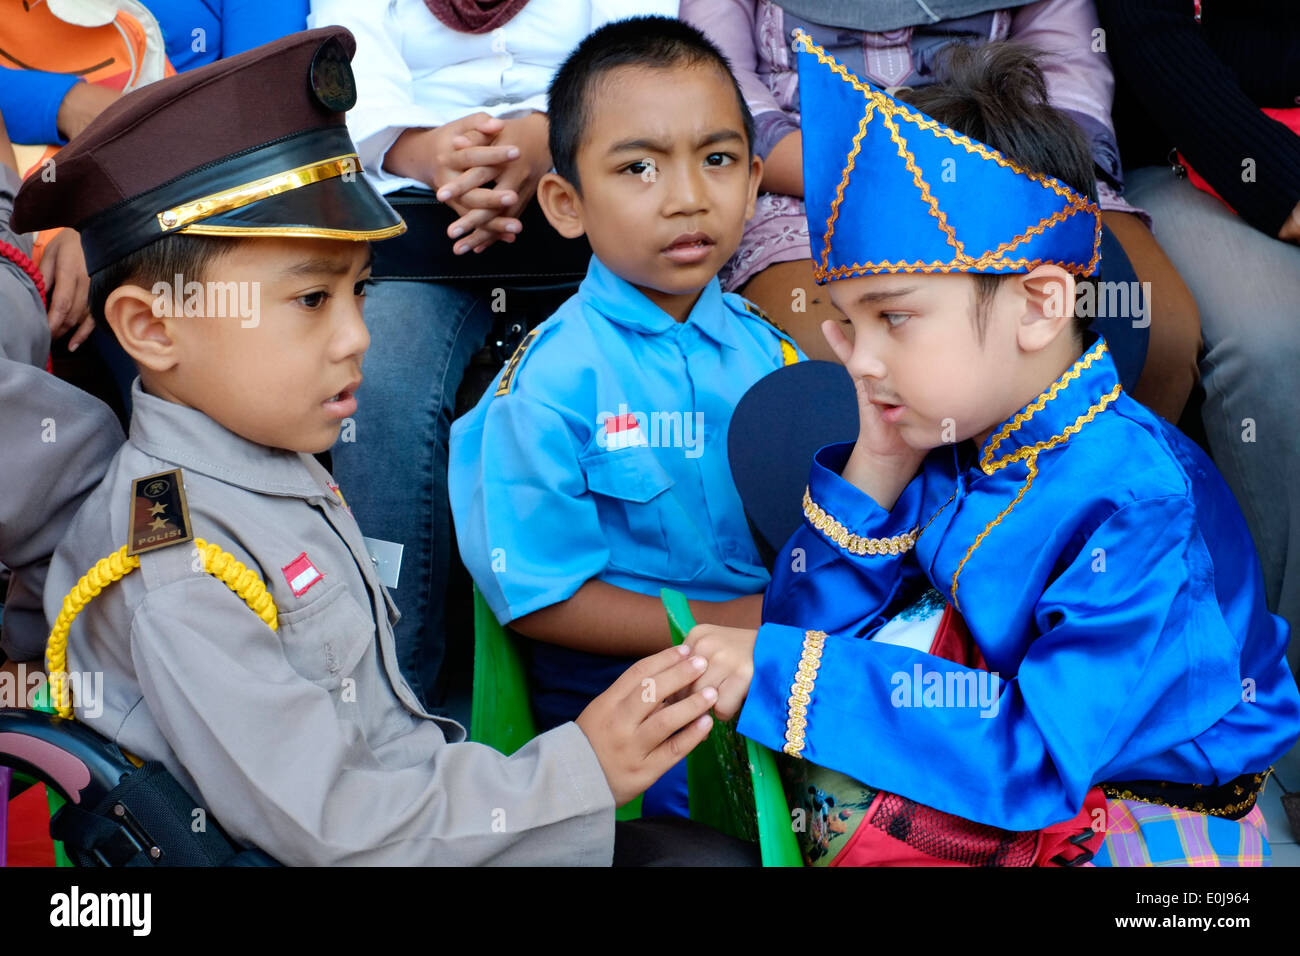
<point x="600" y="451"/>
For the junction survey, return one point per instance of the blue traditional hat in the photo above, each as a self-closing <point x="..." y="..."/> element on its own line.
<point x="888" y="189"/>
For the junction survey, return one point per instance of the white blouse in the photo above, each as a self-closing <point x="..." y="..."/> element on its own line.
<point x="414" y="71"/>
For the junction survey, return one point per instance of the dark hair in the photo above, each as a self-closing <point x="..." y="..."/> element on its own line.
<point x="160" y="261"/>
<point x="657" y="42"/>
<point x="996" y="93"/>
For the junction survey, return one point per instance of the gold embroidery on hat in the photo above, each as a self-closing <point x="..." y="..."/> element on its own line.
<point x="239" y="196"/>
<point x="961" y="262"/>
<point x="927" y="197"/>
<point x="844" y="182"/>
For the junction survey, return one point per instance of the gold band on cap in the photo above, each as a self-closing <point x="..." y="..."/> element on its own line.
<point x="259" y="189"/>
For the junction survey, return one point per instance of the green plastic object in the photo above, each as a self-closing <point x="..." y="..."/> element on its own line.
<point x="500" y="713"/>
<point x="734" y="786"/>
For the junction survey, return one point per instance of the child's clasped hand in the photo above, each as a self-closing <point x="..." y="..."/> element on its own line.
<point x="730" y="655"/>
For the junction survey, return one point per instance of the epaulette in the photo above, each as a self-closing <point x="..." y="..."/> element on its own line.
<point x="160" y="515"/>
<point x="512" y="366"/>
<point x="789" y="355"/>
<point x="160" y="518"/>
<point x="752" y="309"/>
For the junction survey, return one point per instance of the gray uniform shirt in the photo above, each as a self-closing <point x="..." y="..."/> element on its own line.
<point x="55" y="442"/>
<point x="24" y="328"/>
<point x="305" y="741"/>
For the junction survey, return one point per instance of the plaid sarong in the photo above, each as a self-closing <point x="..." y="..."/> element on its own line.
<point x="1145" y="834"/>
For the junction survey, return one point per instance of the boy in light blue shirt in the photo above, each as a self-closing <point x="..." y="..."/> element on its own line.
<point x="594" y="471"/>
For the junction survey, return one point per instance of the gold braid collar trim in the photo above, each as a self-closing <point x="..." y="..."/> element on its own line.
<point x="987" y="463"/>
<point x="1029" y="453"/>
<point x="990" y="261"/>
<point x="853" y="543"/>
<point x="801" y="692"/>
<point x="222" y="565"/>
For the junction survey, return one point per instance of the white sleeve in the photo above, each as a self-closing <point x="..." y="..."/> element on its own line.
<point x="386" y="105"/>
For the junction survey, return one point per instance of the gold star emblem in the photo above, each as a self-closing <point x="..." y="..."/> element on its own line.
<point x="158" y="524"/>
<point x="158" y="508"/>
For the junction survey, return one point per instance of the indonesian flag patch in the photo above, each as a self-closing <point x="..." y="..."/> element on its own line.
<point x="301" y="574"/>
<point x="623" y="431"/>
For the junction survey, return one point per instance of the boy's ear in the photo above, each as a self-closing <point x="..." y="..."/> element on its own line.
<point x="755" y="177"/>
<point x="146" y="336"/>
<point x="1049" y="307"/>
<point x="561" y="205"/>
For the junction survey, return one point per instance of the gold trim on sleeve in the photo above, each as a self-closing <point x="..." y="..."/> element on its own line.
<point x="853" y="543"/>
<point x="801" y="692"/>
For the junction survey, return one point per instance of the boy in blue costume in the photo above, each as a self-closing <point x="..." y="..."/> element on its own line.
<point x="594" y="471"/>
<point x="1096" y="557"/>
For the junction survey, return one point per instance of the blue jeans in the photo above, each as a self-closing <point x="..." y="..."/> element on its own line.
<point x="394" y="472"/>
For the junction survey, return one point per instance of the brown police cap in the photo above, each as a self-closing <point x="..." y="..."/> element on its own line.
<point x="254" y="145"/>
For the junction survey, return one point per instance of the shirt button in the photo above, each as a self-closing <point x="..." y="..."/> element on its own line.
<point x="498" y="40"/>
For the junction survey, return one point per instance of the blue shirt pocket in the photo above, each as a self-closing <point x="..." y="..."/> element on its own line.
<point x="649" y="532"/>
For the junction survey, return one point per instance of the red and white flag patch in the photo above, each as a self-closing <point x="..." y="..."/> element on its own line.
<point x="301" y="574"/>
<point x="623" y="431"/>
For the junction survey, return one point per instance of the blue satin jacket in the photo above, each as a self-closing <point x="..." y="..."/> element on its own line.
<point x="1107" y="576"/>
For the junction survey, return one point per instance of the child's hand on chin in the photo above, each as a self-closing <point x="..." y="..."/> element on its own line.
<point x="730" y="653"/>
<point x="882" y="463"/>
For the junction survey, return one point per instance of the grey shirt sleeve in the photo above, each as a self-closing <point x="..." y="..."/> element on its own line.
<point x="56" y="443"/>
<point x="24" y="331"/>
<point x="318" y="795"/>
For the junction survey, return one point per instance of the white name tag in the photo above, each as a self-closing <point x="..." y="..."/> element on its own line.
<point x="386" y="556"/>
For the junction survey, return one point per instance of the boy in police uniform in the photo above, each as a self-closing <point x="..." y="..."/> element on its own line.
<point x="244" y="637"/>
<point x="594" y="471"/>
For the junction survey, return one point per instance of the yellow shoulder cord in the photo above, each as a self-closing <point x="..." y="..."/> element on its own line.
<point x="788" y="353"/>
<point x="220" y="564"/>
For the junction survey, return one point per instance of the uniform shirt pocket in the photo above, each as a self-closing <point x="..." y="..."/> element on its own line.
<point x="325" y="640"/>
<point x="648" y="529"/>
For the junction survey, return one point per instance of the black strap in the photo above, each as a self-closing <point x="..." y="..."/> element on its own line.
<point x="148" y="820"/>
<point x="540" y="255"/>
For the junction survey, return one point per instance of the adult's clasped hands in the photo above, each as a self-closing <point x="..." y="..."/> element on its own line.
<point x="487" y="170"/>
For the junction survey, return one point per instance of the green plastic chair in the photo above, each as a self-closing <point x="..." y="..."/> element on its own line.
<point x="750" y="805"/>
<point x="500" y="713"/>
<point x="734" y="786"/>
